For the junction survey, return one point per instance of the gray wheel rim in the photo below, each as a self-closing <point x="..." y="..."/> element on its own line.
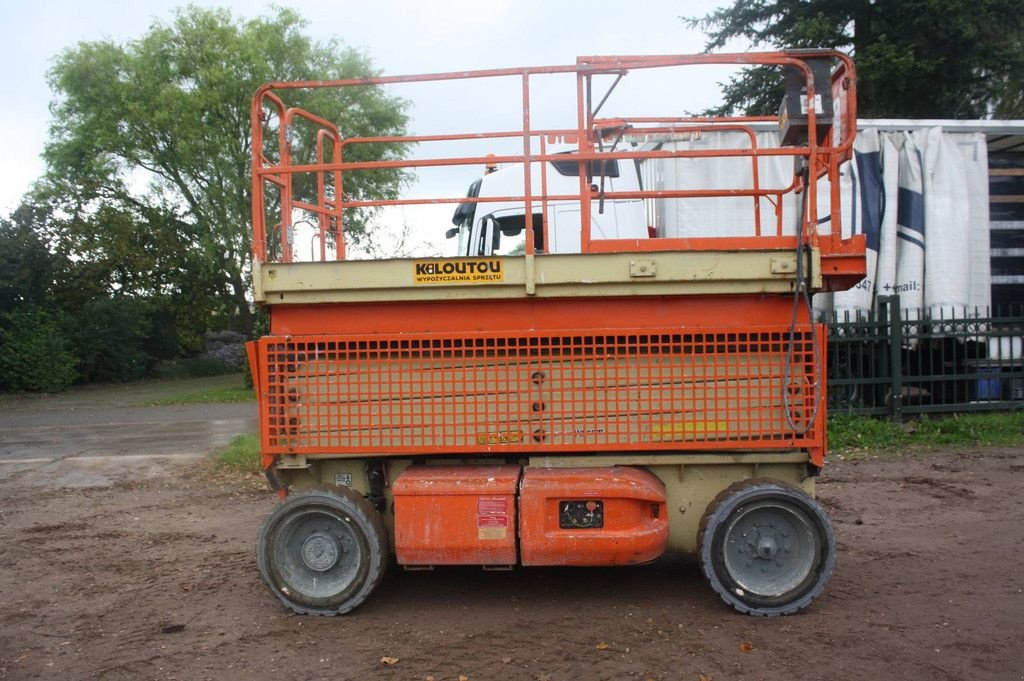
<point x="318" y="554"/>
<point x="770" y="548"/>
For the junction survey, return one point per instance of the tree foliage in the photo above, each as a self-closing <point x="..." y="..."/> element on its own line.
<point x="27" y="268"/>
<point x="148" y="164"/>
<point x="915" y="58"/>
<point x="108" y="337"/>
<point x="34" y="355"/>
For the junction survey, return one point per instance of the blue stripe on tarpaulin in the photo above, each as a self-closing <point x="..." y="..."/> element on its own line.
<point x="907" y="237"/>
<point x="854" y="227"/>
<point x="910" y="209"/>
<point x="869" y="167"/>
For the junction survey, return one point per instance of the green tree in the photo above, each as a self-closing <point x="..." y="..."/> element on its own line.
<point x="915" y="58"/>
<point x="117" y="291"/>
<point x="108" y="335"/>
<point x="149" y="159"/>
<point x="34" y="354"/>
<point x="27" y="267"/>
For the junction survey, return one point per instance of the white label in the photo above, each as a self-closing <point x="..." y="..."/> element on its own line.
<point x="343" y="479"/>
<point x="818" y="108"/>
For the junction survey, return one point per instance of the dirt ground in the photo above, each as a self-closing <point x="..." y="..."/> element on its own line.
<point x="153" y="576"/>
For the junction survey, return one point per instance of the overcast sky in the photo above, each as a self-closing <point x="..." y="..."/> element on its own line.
<point x="401" y="37"/>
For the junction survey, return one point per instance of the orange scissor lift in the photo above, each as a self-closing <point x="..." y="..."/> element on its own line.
<point x="600" y="407"/>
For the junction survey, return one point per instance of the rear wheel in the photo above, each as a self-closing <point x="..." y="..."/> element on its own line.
<point x="767" y="548"/>
<point x="322" y="553"/>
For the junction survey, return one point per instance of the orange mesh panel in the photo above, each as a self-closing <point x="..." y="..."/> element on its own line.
<point x="535" y="392"/>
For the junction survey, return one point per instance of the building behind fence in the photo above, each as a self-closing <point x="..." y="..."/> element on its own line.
<point x="900" y="362"/>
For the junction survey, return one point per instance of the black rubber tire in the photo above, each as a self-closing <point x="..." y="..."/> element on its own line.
<point x="342" y="557"/>
<point x="717" y="534"/>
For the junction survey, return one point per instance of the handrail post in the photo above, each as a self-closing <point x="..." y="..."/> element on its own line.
<point x="527" y="169"/>
<point x="585" y="146"/>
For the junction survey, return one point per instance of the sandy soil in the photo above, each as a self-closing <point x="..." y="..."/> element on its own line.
<point x="155" y="577"/>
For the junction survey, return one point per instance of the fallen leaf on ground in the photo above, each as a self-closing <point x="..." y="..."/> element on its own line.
<point x="389" y="660"/>
<point x="602" y="646"/>
<point x="746" y="647"/>
<point x="463" y="677"/>
<point x="506" y="660"/>
<point x="704" y="677"/>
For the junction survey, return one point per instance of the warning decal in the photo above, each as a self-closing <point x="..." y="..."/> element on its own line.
<point x="486" y="271"/>
<point x="497" y="506"/>
<point x="492" y="527"/>
<point x="492" y="518"/>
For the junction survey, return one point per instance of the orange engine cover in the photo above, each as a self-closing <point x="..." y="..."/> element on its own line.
<point x="591" y="516"/>
<point x="456" y="515"/>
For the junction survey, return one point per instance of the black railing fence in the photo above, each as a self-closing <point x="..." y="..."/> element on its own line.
<point x="897" y="362"/>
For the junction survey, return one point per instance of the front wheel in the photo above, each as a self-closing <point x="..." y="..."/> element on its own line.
<point x="767" y="548"/>
<point x="322" y="553"/>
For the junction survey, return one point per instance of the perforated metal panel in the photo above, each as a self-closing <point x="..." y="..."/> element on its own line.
<point x="532" y="392"/>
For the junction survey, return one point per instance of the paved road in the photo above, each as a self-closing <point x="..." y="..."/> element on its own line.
<point x="77" y="442"/>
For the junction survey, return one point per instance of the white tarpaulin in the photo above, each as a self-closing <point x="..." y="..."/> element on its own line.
<point x="928" y="239"/>
<point x="723" y="216"/>
<point x="920" y="198"/>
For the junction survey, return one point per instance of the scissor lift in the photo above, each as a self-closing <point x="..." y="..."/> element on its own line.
<point x="593" y="408"/>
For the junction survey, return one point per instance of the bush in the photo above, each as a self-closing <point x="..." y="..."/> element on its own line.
<point x="163" y="340"/>
<point x="108" y="335"/>
<point x="225" y="346"/>
<point x="34" y="354"/>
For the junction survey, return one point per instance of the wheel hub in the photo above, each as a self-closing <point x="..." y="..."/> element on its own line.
<point x="320" y="552"/>
<point x="772" y="548"/>
<point x="766" y="547"/>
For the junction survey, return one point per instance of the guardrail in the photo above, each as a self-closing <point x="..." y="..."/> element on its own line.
<point x="288" y="189"/>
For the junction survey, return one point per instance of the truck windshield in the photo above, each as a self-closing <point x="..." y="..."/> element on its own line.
<point x="464" y="215"/>
<point x="465" y="211"/>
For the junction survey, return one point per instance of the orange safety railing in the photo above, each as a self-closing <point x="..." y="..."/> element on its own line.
<point x="272" y="240"/>
<point x="538" y="392"/>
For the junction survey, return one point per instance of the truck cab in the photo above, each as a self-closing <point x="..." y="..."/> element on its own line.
<point x="498" y="227"/>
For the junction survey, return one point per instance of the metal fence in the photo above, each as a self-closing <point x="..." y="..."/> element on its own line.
<point x="898" y="362"/>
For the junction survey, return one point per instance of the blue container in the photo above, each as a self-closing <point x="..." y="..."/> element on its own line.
<point x="989" y="386"/>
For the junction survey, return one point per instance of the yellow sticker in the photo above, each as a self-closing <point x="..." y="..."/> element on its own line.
<point x="501" y="437"/>
<point x="492" y="533"/>
<point x="461" y="271"/>
<point x="662" y="432"/>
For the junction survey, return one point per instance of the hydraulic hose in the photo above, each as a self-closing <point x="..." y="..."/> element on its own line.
<point x="801" y="294"/>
